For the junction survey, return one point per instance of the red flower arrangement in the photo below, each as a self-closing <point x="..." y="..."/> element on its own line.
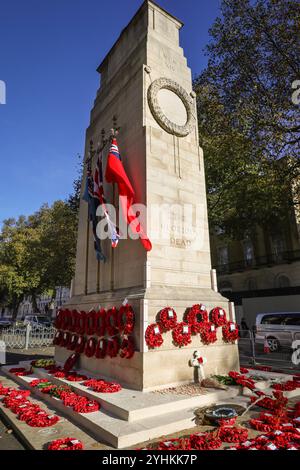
<point x="127" y="348"/>
<point x="111" y="321"/>
<point x="41" y="420"/>
<point x="80" y="346"/>
<point x="69" y="443"/>
<point x="288" y="386"/>
<point x="153" y="336"/>
<point x="81" y="319"/>
<point x="86" y="406"/>
<point x="59" y="319"/>
<point x="208" y="333"/>
<point x="113" y="347"/>
<point x="72" y="342"/>
<point x="175" y="444"/>
<point x="230" y="332"/>
<point x="90" y="347"/>
<point x="73" y="321"/>
<point x="66" y="319"/>
<point x="182" y="334"/>
<point x="232" y="434"/>
<point x="101" y="386"/>
<point x="58" y="338"/>
<point x="196" y="316"/>
<point x="100" y="319"/>
<point x="101" y="349"/>
<point x="74" y="377"/>
<point x="71" y="361"/>
<point x="90" y="326"/>
<point x="20" y="371"/>
<point x="205" y="441"/>
<point x="218" y="316"/>
<point x="126" y="320"/>
<point x="242" y="380"/>
<point x="168" y="318"/>
<point x="65" y="339"/>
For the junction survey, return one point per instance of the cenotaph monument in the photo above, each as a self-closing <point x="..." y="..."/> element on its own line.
<point x="146" y="86"/>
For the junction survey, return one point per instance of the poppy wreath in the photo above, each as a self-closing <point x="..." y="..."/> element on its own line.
<point x="69" y="443"/>
<point x="111" y="321"/>
<point x="59" y="319"/>
<point x="86" y="406"/>
<point x="205" y="441"/>
<point x="233" y="434"/>
<point x="42" y="420"/>
<point x="72" y="342"/>
<point x="71" y="361"/>
<point x="175" y="444"/>
<point x="58" y="338"/>
<point x="218" y="316"/>
<point x="81" y="323"/>
<point x="153" y="336"/>
<point x="65" y="339"/>
<point x="100" y="319"/>
<point x="127" y="348"/>
<point x="196" y="316"/>
<point x="80" y="345"/>
<point x="126" y="319"/>
<point x="73" y="321"/>
<point x="168" y="318"/>
<point x="101" y="386"/>
<point x="208" y="333"/>
<point x="113" y="347"/>
<point x="74" y="377"/>
<point x="90" y="327"/>
<point x="101" y="349"/>
<point x="230" y="332"/>
<point x="90" y="347"/>
<point x="182" y="334"/>
<point x="66" y="319"/>
<point x="20" y="372"/>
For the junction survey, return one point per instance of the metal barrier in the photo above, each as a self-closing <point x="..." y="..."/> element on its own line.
<point x="27" y="337"/>
<point x="253" y="352"/>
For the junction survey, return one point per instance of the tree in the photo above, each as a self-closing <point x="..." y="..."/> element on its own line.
<point x="249" y="127"/>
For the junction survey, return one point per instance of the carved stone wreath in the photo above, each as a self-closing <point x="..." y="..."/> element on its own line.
<point x="158" y="114"/>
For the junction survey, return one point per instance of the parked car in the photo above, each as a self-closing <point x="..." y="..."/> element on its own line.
<point x="280" y="329"/>
<point x="5" y="323"/>
<point x="36" y="320"/>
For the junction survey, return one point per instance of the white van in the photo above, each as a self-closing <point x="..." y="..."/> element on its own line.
<point x="280" y="329"/>
<point x="36" y="320"/>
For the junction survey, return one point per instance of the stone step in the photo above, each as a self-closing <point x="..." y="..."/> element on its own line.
<point x="131" y="405"/>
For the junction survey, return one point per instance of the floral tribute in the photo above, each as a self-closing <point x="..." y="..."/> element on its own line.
<point x="196" y="316"/>
<point x="20" y="371"/>
<point x="175" y="444"/>
<point x="126" y="319"/>
<point x="90" y="347"/>
<point x="218" y="316"/>
<point x="102" y="386"/>
<point x="168" y="319"/>
<point x="127" y="347"/>
<point x="205" y="441"/>
<point x="111" y="321"/>
<point x="69" y="443"/>
<point x="208" y="333"/>
<point x="182" y="334"/>
<point x="100" y="323"/>
<point x="230" y="332"/>
<point x="153" y="336"/>
<point x="113" y="347"/>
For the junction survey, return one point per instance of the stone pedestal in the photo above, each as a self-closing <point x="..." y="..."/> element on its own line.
<point x="146" y="83"/>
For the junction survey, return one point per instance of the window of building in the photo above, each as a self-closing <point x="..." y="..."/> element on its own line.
<point x="223" y="255"/>
<point x="278" y="247"/>
<point x="248" y="252"/>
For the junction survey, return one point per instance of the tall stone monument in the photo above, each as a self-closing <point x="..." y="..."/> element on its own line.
<point x="147" y="85"/>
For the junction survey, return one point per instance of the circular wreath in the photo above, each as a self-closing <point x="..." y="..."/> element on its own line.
<point x="205" y="441"/>
<point x="90" y="347"/>
<point x="65" y="339"/>
<point x="233" y="434"/>
<point x="81" y="323"/>
<point x="126" y="319"/>
<point x="100" y="322"/>
<point x="101" y="386"/>
<point x="168" y="318"/>
<point x="58" y="338"/>
<point x="230" y="332"/>
<point x="101" y="349"/>
<point x="127" y="348"/>
<point x="111" y="321"/>
<point x="218" y="316"/>
<point x="196" y="316"/>
<point x="41" y="420"/>
<point x="80" y="345"/>
<point x="72" y="342"/>
<point x="73" y="321"/>
<point x="113" y="347"/>
<point x="182" y="334"/>
<point x="66" y="317"/>
<point x="89" y="406"/>
<point x="208" y="333"/>
<point x="153" y="336"/>
<point x="90" y="326"/>
<point x="71" y="361"/>
<point x="69" y="443"/>
<point x="59" y="319"/>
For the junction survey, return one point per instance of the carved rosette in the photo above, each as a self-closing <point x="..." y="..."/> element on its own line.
<point x="158" y="114"/>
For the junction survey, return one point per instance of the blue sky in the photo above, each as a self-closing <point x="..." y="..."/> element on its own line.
<point x="49" y="52"/>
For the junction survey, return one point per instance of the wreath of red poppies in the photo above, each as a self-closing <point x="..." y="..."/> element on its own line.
<point x="102" y="386"/>
<point x="71" y="361"/>
<point x="196" y="316"/>
<point x="59" y="319"/>
<point x="168" y="318"/>
<point x="90" y="326"/>
<point x="126" y="320"/>
<point x="113" y="347"/>
<point x="205" y="441"/>
<point x="80" y="346"/>
<point x="69" y="443"/>
<point x="233" y="434"/>
<point x="153" y="336"/>
<point x="100" y="319"/>
<point x="230" y="332"/>
<point x="101" y="349"/>
<point x="84" y="405"/>
<point x="90" y="347"/>
<point x="58" y="338"/>
<point x="218" y="316"/>
<point x="111" y="321"/>
<point x="127" y="348"/>
<point x="81" y="323"/>
<point x="65" y="339"/>
<point x="182" y="334"/>
<point x="208" y="333"/>
<point x="73" y="321"/>
<point x="72" y="342"/>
